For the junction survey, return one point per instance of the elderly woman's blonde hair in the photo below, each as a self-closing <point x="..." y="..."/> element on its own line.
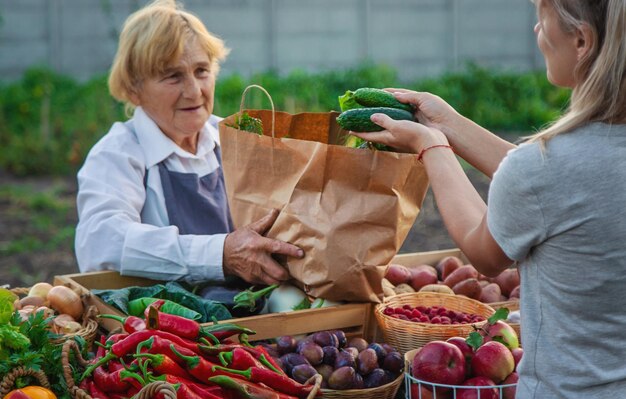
<point x="151" y="39"/>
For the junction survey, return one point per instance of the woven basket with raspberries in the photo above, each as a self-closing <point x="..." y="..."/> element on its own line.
<point x="409" y="321"/>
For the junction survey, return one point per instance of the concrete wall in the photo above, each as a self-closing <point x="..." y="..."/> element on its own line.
<point x="417" y="37"/>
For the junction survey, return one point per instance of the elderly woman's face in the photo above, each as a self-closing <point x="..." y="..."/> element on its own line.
<point x="180" y="101"/>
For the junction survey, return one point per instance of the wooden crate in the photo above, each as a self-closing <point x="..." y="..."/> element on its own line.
<point x="355" y="319"/>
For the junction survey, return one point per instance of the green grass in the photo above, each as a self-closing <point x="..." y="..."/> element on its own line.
<point x="43" y="219"/>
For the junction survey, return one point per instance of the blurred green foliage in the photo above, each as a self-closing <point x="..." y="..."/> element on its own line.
<point x="48" y="122"/>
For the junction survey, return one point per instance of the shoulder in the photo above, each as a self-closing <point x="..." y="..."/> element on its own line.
<point x="117" y="147"/>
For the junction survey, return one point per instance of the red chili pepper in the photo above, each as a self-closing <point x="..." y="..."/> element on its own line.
<point x="162" y="346"/>
<point x="95" y="392"/>
<point x="214" y="350"/>
<point x="272" y="379"/>
<point x="239" y="359"/>
<point x="131" y="393"/>
<point x="181" y="326"/>
<point x="163" y="364"/>
<point x="113" y="366"/>
<point x="110" y="382"/>
<point x="246" y="389"/>
<point x="199" y="367"/>
<point x="129" y="323"/>
<point x="101" y="351"/>
<point x="119" y="349"/>
<point x="129" y="344"/>
<point x="261" y="354"/>
<point x="208" y="392"/>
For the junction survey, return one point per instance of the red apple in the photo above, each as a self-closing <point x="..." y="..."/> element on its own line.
<point x="509" y="392"/>
<point x="398" y="274"/>
<point x="502" y="332"/>
<point x="447" y="265"/>
<point x="420" y="389"/>
<point x="466" y="350"/>
<point x="493" y="360"/>
<point x="421" y="276"/>
<point x="476" y="393"/>
<point x="440" y="362"/>
<point x="517" y="355"/>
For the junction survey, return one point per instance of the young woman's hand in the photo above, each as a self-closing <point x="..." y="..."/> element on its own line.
<point x="402" y="135"/>
<point x="248" y="254"/>
<point x="431" y="110"/>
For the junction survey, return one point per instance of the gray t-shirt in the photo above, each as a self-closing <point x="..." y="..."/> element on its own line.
<point x="561" y="214"/>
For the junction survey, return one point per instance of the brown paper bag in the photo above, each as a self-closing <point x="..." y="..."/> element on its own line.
<point x="349" y="209"/>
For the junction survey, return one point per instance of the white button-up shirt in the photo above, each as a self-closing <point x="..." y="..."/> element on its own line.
<point x="123" y="223"/>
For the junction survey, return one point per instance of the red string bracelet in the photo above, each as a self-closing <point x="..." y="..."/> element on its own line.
<point x="421" y="153"/>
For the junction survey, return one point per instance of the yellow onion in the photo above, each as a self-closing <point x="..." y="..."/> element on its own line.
<point x="40" y="290"/>
<point x="64" y="300"/>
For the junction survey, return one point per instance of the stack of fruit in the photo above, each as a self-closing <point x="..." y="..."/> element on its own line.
<point x="344" y="364"/>
<point x="482" y="365"/>
<point x="451" y="275"/>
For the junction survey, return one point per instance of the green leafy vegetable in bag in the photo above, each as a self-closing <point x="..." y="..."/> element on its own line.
<point x="248" y="123"/>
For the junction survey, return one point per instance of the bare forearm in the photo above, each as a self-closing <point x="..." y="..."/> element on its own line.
<point x="463" y="212"/>
<point x="459" y="203"/>
<point x="478" y="146"/>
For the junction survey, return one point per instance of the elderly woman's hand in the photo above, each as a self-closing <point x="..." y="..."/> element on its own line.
<point x="248" y="254"/>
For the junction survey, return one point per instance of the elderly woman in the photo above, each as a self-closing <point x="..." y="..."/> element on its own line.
<point x="151" y="197"/>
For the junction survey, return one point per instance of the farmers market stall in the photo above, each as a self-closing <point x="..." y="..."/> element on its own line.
<point x="356" y="320"/>
<point x="348" y="350"/>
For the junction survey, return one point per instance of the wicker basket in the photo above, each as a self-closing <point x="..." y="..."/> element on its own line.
<point x="407" y="335"/>
<point x="442" y="391"/>
<point x="89" y="320"/>
<point x="387" y="391"/>
<point x="8" y="381"/>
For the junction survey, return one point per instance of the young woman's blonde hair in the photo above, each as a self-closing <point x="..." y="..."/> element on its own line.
<point x="151" y="39"/>
<point x="601" y="94"/>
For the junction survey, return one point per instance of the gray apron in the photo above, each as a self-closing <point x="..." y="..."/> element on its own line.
<point x="197" y="205"/>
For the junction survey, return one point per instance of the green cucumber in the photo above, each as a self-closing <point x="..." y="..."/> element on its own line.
<point x="358" y="119"/>
<point x="370" y="97"/>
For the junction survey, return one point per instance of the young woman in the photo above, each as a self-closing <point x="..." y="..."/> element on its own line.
<point x="556" y="203"/>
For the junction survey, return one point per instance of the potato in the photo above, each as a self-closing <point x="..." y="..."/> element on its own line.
<point x="388" y="288"/>
<point x="507" y="280"/>
<point x="462" y="273"/>
<point x="491" y="293"/>
<point x="397" y="274"/>
<point x="403" y="289"/>
<point x="469" y="287"/>
<point x="422" y="275"/>
<point x="440" y="288"/>
<point x="447" y="265"/>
